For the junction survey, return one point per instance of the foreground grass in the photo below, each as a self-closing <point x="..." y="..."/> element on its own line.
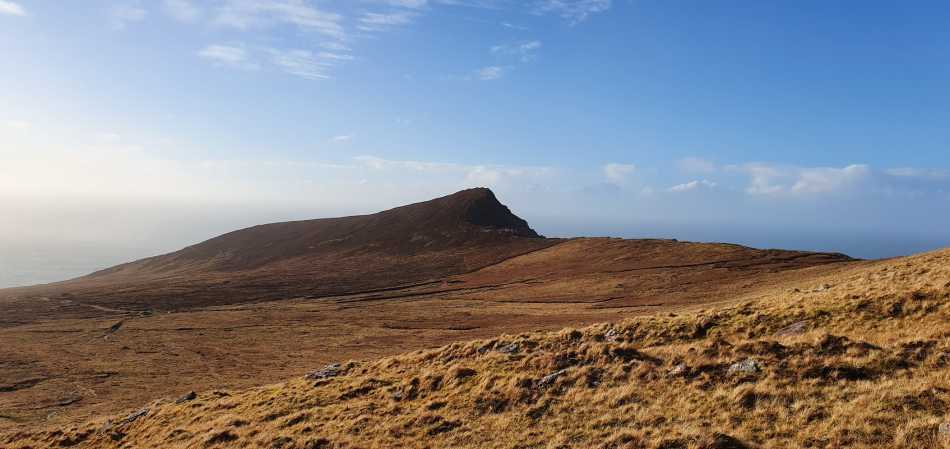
<point x="860" y="359"/>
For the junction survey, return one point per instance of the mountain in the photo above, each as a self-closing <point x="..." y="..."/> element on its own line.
<point x="855" y="357"/>
<point x="419" y="242"/>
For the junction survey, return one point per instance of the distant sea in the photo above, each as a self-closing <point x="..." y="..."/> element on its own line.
<point x="31" y="265"/>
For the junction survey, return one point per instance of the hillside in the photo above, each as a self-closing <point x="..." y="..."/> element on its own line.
<point x="416" y="243"/>
<point x="89" y="347"/>
<point x="857" y="358"/>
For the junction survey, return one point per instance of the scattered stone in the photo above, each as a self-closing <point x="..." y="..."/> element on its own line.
<point x="328" y="371"/>
<point x="512" y="348"/>
<point x="550" y="378"/>
<point x="134" y="416"/>
<point x="796" y="328"/>
<point x="612" y="335"/>
<point x="747" y="366"/>
<point x="944" y="430"/>
<point x="679" y="370"/>
<point x="190" y="396"/>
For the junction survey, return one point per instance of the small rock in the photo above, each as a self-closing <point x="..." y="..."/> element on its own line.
<point x="795" y="328"/>
<point x="550" y="378"/>
<point x="678" y="370"/>
<point x="612" y="335"/>
<point x="190" y="396"/>
<point x="134" y="416"/>
<point x="747" y="366"/>
<point x="329" y="370"/>
<point x="944" y="430"/>
<point x="509" y="349"/>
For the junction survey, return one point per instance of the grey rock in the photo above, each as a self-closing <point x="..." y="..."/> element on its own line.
<point x="747" y="366"/>
<point x="329" y="370"/>
<point x="134" y="416"/>
<point x="550" y="378"/>
<point x="944" y="430"/>
<point x="512" y="348"/>
<point x="190" y="396"/>
<point x="678" y="370"/>
<point x="795" y="328"/>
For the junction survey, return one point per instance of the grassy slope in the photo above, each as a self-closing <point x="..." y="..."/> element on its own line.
<point x="870" y="367"/>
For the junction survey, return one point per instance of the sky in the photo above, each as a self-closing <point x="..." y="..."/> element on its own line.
<point x="130" y="128"/>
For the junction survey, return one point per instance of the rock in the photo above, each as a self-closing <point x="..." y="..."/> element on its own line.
<point x="612" y="335"/>
<point x="329" y="370"/>
<point x="512" y="348"/>
<point x="678" y="370"/>
<point x="747" y="366"/>
<point x="796" y="328"/>
<point x="944" y="430"/>
<point x="550" y="378"/>
<point x="190" y="396"/>
<point x="134" y="416"/>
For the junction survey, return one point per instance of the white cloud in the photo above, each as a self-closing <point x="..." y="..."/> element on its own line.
<point x="372" y="21"/>
<point x="618" y="173"/>
<point x="11" y="8"/>
<point x="341" y="138"/>
<point x="695" y="165"/>
<point x="226" y="55"/>
<point x="574" y="11"/>
<point x="302" y="63"/>
<point x="182" y="10"/>
<point x="765" y="179"/>
<point x="489" y="73"/>
<point x="123" y="14"/>
<point x="18" y="124"/>
<point x="692" y="185"/>
<point x="244" y="14"/>
<point x="824" y="180"/>
<point x="523" y="50"/>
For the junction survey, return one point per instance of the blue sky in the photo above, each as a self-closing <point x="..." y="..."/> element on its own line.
<point x="807" y="124"/>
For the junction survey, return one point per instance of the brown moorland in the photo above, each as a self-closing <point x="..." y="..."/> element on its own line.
<point x="858" y="358"/>
<point x="232" y="313"/>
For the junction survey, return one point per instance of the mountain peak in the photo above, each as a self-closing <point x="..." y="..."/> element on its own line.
<point x="478" y="207"/>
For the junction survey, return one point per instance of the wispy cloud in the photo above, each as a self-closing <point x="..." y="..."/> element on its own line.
<point x="182" y="10"/>
<point x="692" y="185"/>
<point x="489" y="73"/>
<point x="11" y="8"/>
<point x="244" y="14"/>
<point x="525" y="51"/>
<point x="575" y="11"/>
<point x="342" y="138"/>
<point x="302" y="63"/>
<point x="372" y="21"/>
<point x="230" y="56"/>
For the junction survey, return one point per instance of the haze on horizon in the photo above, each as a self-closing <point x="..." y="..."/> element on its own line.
<point x="131" y="128"/>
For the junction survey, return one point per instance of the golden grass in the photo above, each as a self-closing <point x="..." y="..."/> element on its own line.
<point x="865" y="364"/>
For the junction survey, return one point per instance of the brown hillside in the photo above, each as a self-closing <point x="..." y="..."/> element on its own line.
<point x="857" y="357"/>
<point x="454" y="234"/>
